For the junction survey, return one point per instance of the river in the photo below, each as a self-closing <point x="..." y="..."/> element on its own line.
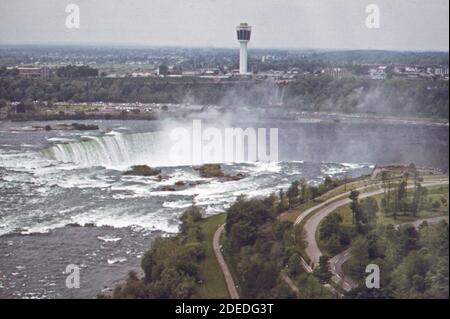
<point x="64" y="200"/>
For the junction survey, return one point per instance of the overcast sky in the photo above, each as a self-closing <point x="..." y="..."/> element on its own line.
<point x="334" y="24"/>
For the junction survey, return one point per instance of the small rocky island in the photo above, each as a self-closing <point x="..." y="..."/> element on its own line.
<point x="215" y="171"/>
<point x="72" y="127"/>
<point x="142" y="170"/>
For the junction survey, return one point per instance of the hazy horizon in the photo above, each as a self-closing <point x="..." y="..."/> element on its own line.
<point x="143" y="47"/>
<point x="406" y="25"/>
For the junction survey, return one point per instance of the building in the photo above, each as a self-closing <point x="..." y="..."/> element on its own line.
<point x="29" y="72"/>
<point x="336" y="73"/>
<point x="163" y="70"/>
<point x="441" y="71"/>
<point x="378" y="73"/>
<point x="244" y="32"/>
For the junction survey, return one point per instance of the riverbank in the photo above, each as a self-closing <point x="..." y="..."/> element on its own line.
<point x="23" y="117"/>
<point x="154" y="111"/>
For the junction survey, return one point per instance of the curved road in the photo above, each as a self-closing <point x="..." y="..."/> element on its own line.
<point x="337" y="261"/>
<point x="326" y="208"/>
<point x="304" y="214"/>
<point x="223" y="265"/>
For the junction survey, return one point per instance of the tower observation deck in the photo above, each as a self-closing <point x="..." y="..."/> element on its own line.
<point x="244" y="32"/>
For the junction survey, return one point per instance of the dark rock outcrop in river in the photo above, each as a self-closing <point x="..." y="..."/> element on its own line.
<point x="215" y="171"/>
<point x="142" y="170"/>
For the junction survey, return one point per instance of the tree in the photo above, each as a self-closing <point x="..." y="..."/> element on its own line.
<point x="134" y="288"/>
<point x="294" y="265"/>
<point x="293" y="193"/>
<point x="369" y="208"/>
<point x="304" y="191"/>
<point x="354" y="205"/>
<point x="24" y="106"/>
<point x="310" y="287"/>
<point x="282" y="229"/>
<point x="271" y="200"/>
<point x="413" y="172"/>
<point x="3" y="103"/>
<point x="328" y="182"/>
<point x="191" y="216"/>
<point x="414" y="263"/>
<point x="386" y="200"/>
<point x="258" y="275"/>
<point x="283" y="204"/>
<point x="323" y="271"/>
<point x="384" y="179"/>
<point x="73" y="71"/>
<point x="360" y="253"/>
<point x="173" y="285"/>
<point x="300" y="237"/>
<point x="244" y="219"/>
<point x="332" y="234"/>
<point x="401" y="196"/>
<point x="363" y="292"/>
<point x="331" y="225"/>
<point x="283" y="291"/>
<point x="409" y="277"/>
<point x="419" y="198"/>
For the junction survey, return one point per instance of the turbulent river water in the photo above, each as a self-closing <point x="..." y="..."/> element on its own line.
<point x="64" y="200"/>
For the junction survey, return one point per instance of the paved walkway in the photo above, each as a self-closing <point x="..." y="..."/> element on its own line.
<point x="223" y="265"/>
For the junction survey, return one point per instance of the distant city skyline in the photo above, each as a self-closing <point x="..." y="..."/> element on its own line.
<point x="405" y="25"/>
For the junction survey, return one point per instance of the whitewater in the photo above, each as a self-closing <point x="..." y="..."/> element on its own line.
<point x="64" y="198"/>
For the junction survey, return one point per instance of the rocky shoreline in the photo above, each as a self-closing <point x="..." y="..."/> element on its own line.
<point x="57" y="127"/>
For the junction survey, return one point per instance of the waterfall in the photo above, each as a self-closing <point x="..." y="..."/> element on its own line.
<point x="160" y="149"/>
<point x="278" y="97"/>
<point x="117" y="150"/>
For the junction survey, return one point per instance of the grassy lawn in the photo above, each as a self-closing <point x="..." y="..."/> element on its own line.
<point x="214" y="286"/>
<point x="432" y="177"/>
<point x="434" y="193"/>
<point x="291" y="215"/>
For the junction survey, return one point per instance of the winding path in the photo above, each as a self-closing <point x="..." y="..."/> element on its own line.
<point x="339" y="277"/>
<point x="337" y="261"/>
<point x="223" y="265"/>
<point x="326" y="208"/>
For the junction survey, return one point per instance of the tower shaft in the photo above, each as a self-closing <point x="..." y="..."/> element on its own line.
<point x="243" y="59"/>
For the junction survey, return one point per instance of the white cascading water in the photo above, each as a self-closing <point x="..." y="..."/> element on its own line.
<point x="115" y="150"/>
